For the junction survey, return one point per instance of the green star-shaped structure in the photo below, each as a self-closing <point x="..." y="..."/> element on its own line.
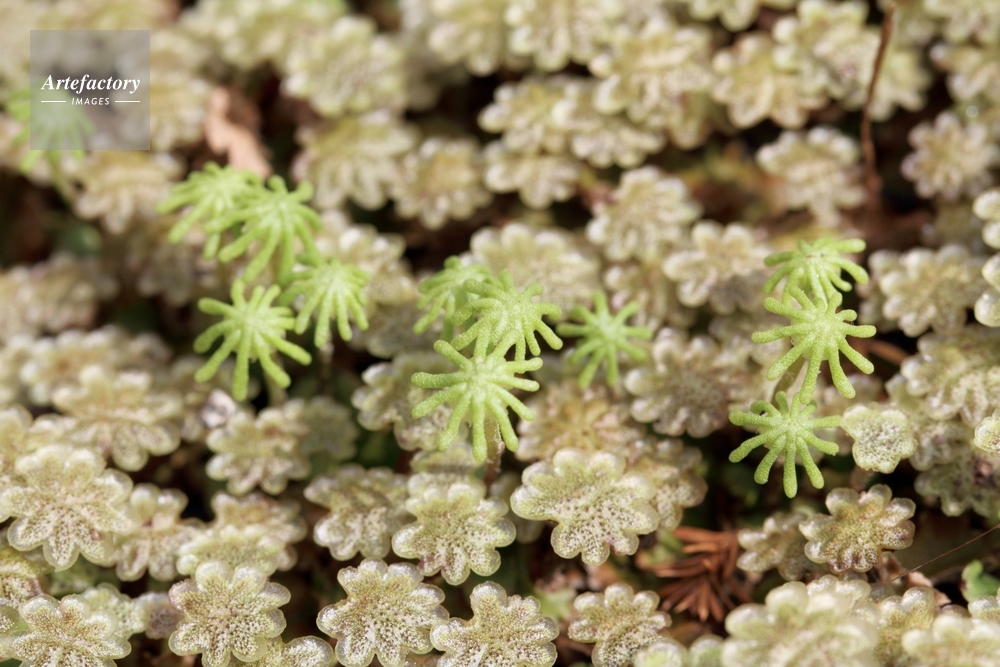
<point x="507" y="318"/>
<point x="819" y="333"/>
<point x="815" y="267"/>
<point x="786" y="430"/>
<point x="444" y="293"/>
<point x="274" y="217"/>
<point x="333" y="290"/>
<point x="211" y="193"/>
<point x="253" y="329"/>
<point x="604" y="336"/>
<point x="477" y="391"/>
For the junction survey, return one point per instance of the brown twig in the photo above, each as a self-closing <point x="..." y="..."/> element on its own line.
<point x="888" y="351"/>
<point x="872" y="180"/>
<point x="492" y="464"/>
<point x="276" y="394"/>
<point x="707" y="583"/>
<point x="494" y="451"/>
<point x="325" y="354"/>
<point x="240" y="144"/>
<point x="942" y="555"/>
<point x="891" y="353"/>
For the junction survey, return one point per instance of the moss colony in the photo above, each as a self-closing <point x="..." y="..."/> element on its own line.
<point x="509" y="333"/>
